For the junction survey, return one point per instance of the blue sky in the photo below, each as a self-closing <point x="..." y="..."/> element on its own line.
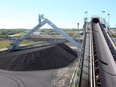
<point x="63" y="13"/>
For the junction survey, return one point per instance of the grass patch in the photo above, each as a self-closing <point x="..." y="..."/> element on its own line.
<point x="25" y="42"/>
<point x="4" y="43"/>
<point x="115" y="43"/>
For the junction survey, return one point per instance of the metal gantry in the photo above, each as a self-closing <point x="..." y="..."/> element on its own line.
<point x="42" y="21"/>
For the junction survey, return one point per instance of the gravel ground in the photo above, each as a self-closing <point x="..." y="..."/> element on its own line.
<point x="61" y="77"/>
<point x="49" y="58"/>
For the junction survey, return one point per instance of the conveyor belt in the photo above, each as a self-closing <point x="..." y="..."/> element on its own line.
<point x="105" y="68"/>
<point x="109" y="42"/>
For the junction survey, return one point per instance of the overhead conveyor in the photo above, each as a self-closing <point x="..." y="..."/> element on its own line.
<point x="109" y="41"/>
<point x="98" y="68"/>
<point x="105" y="71"/>
<point x="42" y="21"/>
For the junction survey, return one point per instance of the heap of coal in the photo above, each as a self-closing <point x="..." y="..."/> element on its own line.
<point x="51" y="58"/>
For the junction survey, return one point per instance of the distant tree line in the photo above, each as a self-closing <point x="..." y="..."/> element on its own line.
<point x="6" y="32"/>
<point x="52" y="31"/>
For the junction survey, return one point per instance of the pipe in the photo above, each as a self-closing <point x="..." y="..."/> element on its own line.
<point x="95" y="20"/>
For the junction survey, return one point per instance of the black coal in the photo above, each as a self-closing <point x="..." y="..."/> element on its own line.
<point x="51" y="58"/>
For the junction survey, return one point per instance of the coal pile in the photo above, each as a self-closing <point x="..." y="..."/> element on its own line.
<point x="51" y="58"/>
